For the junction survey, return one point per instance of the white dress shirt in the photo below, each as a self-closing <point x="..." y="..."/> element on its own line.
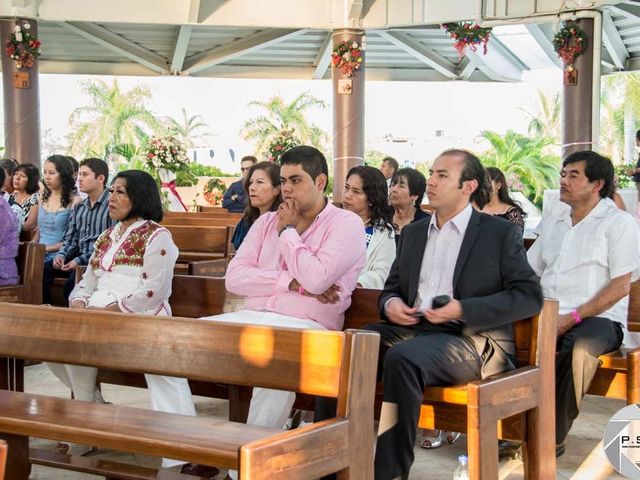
<point x="440" y="257"/>
<point x="576" y="261"/>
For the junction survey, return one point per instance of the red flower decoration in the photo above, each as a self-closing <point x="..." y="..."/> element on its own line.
<point x="149" y="293"/>
<point x="347" y="57"/>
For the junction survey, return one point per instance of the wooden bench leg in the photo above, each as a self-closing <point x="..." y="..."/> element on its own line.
<point x="633" y="377"/>
<point x="239" y="401"/>
<point x="18" y="467"/>
<point x="482" y="445"/>
<point x="539" y="453"/>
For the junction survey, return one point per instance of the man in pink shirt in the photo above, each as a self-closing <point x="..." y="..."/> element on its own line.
<point x="297" y="267"/>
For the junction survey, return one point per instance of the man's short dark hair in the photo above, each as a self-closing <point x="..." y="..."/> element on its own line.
<point x="415" y="180"/>
<point x="249" y="158"/>
<point x="144" y="195"/>
<point x="310" y="159"/>
<point x="3" y="176"/>
<point x="597" y="168"/>
<point x="98" y="167"/>
<point x="33" y="177"/>
<point x="472" y="169"/>
<point x="393" y="162"/>
<point x="9" y="165"/>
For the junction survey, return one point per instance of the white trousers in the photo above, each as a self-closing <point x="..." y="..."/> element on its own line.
<point x="268" y="407"/>
<point x="166" y="394"/>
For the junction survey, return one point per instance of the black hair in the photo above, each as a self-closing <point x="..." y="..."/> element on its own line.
<point x="483" y="193"/>
<point x="74" y="163"/>
<point x="33" y="177"/>
<point x="393" y="162"/>
<point x="143" y="193"/>
<point x="374" y="187"/>
<point x="597" y="168"/>
<point x="416" y="181"/>
<point x="3" y="176"/>
<point x="252" y="213"/>
<point x="472" y="169"/>
<point x="67" y="183"/>
<point x="249" y="158"/>
<point x="310" y="159"/>
<point x="98" y="167"/>
<point x="9" y="165"/>
<point x="638" y="135"/>
<point x="497" y="176"/>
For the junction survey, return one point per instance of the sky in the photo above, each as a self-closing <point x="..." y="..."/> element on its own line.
<point x="413" y="121"/>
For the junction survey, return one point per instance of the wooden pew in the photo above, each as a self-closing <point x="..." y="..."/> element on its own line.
<point x="208" y="209"/>
<point x="3" y="458"/>
<point x="619" y="374"/>
<point x="333" y="364"/>
<point x="509" y="405"/>
<point x="191" y="215"/>
<point x="200" y="222"/>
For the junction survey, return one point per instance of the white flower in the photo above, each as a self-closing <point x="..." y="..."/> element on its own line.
<point x="26" y="25"/>
<point x="17" y="29"/>
<point x="354" y="45"/>
<point x="18" y="36"/>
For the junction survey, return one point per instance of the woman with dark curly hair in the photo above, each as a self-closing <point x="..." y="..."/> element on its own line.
<point x="262" y="188"/>
<point x="365" y="194"/>
<point x="26" y="190"/>
<point x="500" y="203"/>
<point x="51" y="213"/>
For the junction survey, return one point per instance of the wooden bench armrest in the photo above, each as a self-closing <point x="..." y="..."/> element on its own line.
<point x="311" y="451"/>
<point x="506" y="394"/>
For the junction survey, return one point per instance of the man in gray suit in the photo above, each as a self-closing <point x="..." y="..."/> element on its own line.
<point x="479" y="262"/>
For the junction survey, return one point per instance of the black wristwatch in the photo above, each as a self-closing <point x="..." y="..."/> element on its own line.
<point x="287" y="226"/>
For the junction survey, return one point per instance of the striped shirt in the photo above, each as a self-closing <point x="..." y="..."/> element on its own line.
<point x="86" y="223"/>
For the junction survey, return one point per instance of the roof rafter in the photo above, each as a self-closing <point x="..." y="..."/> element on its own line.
<point x="541" y="33"/>
<point x="419" y="51"/>
<point x="323" y="59"/>
<point x="194" y="11"/>
<point x="613" y="42"/>
<point x="180" y="47"/>
<point x="241" y="47"/>
<point x="499" y="64"/>
<point x="116" y="43"/>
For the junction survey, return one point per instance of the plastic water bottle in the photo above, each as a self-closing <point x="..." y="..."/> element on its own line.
<point x="462" y="472"/>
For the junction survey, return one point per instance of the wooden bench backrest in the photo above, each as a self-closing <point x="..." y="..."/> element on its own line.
<point x="30" y="263"/>
<point x="3" y="458"/>
<point x="195" y="297"/>
<point x="247" y="355"/>
<point x="633" y="313"/>
<point x="187" y="215"/>
<point x="200" y="222"/>
<point x="200" y="239"/>
<point x="207" y="209"/>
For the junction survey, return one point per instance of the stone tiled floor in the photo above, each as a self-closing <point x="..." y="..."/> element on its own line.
<point x="584" y="458"/>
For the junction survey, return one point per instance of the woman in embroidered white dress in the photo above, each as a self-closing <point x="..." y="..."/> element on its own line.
<point x="131" y="270"/>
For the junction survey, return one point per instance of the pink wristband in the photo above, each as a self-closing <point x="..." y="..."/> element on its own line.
<point x="300" y="290"/>
<point x="576" y="316"/>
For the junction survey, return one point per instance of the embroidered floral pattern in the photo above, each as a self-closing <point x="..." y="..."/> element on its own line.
<point x="144" y="275"/>
<point x="149" y="293"/>
<point x="163" y="252"/>
<point x="131" y="252"/>
<point x="102" y="246"/>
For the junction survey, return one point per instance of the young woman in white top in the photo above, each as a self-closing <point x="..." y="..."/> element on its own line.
<point x="365" y="193"/>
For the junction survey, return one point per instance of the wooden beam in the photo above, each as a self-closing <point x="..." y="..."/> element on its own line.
<point x="254" y="42"/>
<point x="613" y="42"/>
<point x="323" y="59"/>
<point x="419" y="51"/>
<point x="180" y="47"/>
<point x="119" y="44"/>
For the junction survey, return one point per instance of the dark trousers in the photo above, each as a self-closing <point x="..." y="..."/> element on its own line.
<point x="577" y="354"/>
<point x="49" y="274"/>
<point x="413" y="358"/>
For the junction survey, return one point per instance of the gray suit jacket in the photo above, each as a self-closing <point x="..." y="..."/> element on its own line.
<point x="492" y="280"/>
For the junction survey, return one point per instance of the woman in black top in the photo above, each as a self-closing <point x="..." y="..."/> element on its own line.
<point x="405" y="196"/>
<point x="501" y="204"/>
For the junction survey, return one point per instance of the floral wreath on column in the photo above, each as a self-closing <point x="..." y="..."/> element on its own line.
<point x="167" y="156"/>
<point x="347" y="57"/>
<point x="22" y="46"/>
<point x="569" y="43"/>
<point x="468" y="35"/>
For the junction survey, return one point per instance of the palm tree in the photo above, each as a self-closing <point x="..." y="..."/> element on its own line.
<point x="114" y="117"/>
<point x="278" y="116"/>
<point x="187" y="129"/>
<point x="620" y="98"/>
<point x="527" y="158"/>
<point x="547" y="122"/>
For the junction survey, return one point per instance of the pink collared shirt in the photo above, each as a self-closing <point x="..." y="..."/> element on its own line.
<point x="331" y="251"/>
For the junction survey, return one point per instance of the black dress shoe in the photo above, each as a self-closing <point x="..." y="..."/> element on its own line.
<point x="509" y="450"/>
<point x="560" y="449"/>
<point x="199" y="470"/>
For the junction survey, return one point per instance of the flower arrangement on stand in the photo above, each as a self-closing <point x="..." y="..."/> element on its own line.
<point x="283" y="142"/>
<point x="214" y="191"/>
<point x="569" y="43"/>
<point x="468" y="35"/>
<point x="167" y="156"/>
<point x="22" y="46"/>
<point x="347" y="57"/>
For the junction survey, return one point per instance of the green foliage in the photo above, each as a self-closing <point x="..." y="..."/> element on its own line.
<point x="546" y="122"/>
<point x="278" y="116"/>
<point x="527" y="159"/>
<point x="622" y="176"/>
<point x="188" y="176"/>
<point x="373" y="158"/>
<point x="113" y="117"/>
